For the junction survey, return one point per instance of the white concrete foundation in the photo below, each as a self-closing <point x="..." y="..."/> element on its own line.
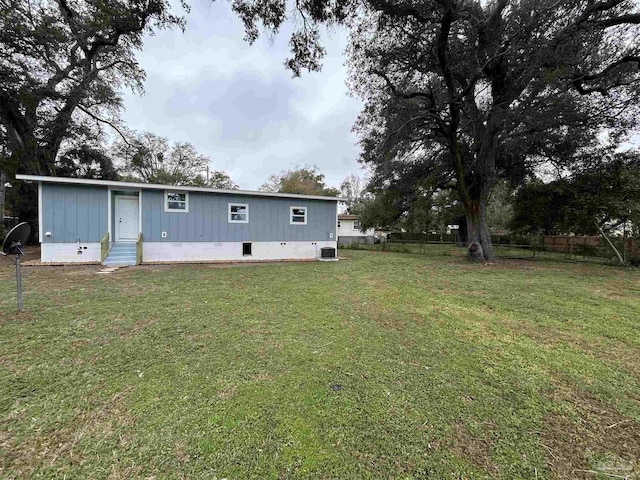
<point x="69" y="252"/>
<point x="231" y="251"/>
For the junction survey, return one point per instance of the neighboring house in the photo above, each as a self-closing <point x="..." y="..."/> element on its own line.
<point x="349" y="230"/>
<point x="84" y="220"/>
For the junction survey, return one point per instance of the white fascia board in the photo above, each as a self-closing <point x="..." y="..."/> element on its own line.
<point x="155" y="186"/>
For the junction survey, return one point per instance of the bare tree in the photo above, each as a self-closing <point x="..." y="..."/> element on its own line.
<point x="353" y="188"/>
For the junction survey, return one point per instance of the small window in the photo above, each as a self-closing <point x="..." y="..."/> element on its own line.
<point x="176" y="202"/>
<point x="246" y="249"/>
<point x="338" y="223"/>
<point x="238" y="213"/>
<point x="356" y="225"/>
<point x="298" y="215"/>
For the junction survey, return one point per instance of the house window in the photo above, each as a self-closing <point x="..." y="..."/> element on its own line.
<point x="238" y="213"/>
<point x="298" y="215"/>
<point x="356" y="225"/>
<point x="176" y="202"/>
<point x="246" y="249"/>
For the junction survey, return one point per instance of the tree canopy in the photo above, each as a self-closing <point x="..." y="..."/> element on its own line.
<point x="62" y="67"/>
<point x="598" y="197"/>
<point x="86" y="161"/>
<point x="217" y="179"/>
<point x="305" y="180"/>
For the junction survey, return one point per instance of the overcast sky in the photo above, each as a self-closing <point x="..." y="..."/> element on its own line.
<point x="239" y="105"/>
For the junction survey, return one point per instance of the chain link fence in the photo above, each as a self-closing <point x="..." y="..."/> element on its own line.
<point x="556" y="247"/>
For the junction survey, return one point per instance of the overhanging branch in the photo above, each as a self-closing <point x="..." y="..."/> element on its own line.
<point x="579" y="82"/>
<point x="106" y="122"/>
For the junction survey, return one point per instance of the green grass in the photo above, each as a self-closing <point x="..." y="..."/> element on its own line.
<point x="380" y="366"/>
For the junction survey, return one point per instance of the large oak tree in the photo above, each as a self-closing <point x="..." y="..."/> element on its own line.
<point x="62" y="66"/>
<point x="466" y="93"/>
<point x="462" y="93"/>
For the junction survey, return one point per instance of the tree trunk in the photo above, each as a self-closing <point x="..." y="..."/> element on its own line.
<point x="474" y="189"/>
<point x="479" y="245"/>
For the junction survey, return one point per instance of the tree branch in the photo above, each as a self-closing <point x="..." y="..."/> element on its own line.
<point x="395" y="90"/>
<point x="107" y="122"/>
<point x="578" y="82"/>
<point x="398" y="10"/>
<point x="624" y="19"/>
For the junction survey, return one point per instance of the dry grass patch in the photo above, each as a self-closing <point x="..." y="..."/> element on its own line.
<point x="58" y="447"/>
<point x="587" y="435"/>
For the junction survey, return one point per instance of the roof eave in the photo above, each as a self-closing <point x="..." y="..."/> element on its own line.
<point x="157" y="186"/>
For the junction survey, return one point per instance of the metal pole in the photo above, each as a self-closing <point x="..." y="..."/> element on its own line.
<point x="19" y="280"/>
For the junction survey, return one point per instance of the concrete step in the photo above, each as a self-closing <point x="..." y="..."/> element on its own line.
<point x="127" y="260"/>
<point x="120" y="257"/>
<point x="122" y="247"/>
<point x="121" y="253"/>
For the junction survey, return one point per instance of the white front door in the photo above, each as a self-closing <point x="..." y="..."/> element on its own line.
<point x="126" y="218"/>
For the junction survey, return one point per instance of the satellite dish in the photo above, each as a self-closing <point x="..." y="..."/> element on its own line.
<point x="13" y="243"/>
<point x="16" y="238"/>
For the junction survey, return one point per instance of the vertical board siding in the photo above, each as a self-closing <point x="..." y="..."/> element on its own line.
<point x="70" y="212"/>
<point x="207" y="219"/>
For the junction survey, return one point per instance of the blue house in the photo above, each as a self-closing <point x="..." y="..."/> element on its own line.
<point x="125" y="223"/>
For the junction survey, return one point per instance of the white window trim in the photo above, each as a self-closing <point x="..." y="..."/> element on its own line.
<point x="291" y="222"/>
<point x="354" y="225"/>
<point x="245" y="205"/>
<point x="173" y="210"/>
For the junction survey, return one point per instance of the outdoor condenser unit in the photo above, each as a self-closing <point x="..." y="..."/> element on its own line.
<point x="327" y="252"/>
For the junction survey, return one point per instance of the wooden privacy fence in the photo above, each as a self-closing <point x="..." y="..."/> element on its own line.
<point x="582" y="245"/>
<point x="631" y="248"/>
<point x="569" y="243"/>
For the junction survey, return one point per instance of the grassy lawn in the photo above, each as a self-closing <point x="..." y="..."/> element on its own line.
<point x="385" y="365"/>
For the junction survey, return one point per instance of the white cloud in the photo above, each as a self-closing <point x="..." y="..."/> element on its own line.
<point x="238" y="104"/>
